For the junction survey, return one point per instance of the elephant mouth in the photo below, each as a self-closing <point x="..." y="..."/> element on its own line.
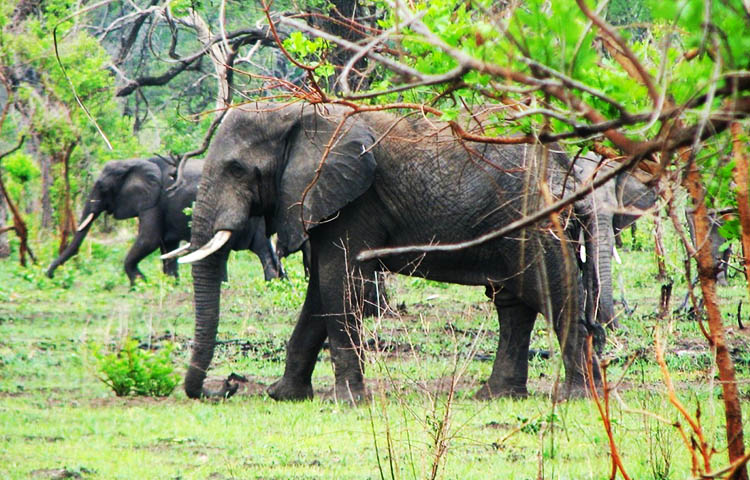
<point x="219" y="240"/>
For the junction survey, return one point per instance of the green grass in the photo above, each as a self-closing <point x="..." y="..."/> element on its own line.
<point x="56" y="416"/>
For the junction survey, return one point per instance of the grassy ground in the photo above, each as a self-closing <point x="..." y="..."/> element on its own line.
<point x="57" y="420"/>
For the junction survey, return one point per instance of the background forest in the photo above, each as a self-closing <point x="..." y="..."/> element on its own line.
<point x="659" y="88"/>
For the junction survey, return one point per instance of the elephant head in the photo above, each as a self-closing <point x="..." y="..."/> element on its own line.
<point x="260" y="164"/>
<point x="613" y="206"/>
<point x="124" y="189"/>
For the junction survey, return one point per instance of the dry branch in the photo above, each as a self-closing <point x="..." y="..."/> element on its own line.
<point x="707" y="276"/>
<point x="19" y="226"/>
<point x="740" y="174"/>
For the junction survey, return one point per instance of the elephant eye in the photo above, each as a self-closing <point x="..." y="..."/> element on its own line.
<point x="236" y="169"/>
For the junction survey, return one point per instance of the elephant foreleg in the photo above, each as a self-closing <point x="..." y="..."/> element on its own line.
<point x="302" y="350"/>
<point x="147" y="241"/>
<point x="510" y="370"/>
<point x="572" y="334"/>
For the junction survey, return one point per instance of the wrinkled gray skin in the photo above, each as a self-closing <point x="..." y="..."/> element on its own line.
<point x="415" y="185"/>
<point x="721" y="257"/>
<point x="615" y="206"/>
<point x="136" y="188"/>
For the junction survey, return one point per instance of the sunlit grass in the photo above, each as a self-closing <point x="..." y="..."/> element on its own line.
<point x="56" y="414"/>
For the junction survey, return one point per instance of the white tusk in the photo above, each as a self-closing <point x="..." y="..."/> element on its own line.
<point x="85" y="222"/>
<point x="616" y="255"/>
<point x="178" y="252"/>
<point x="582" y="248"/>
<point x="221" y="237"/>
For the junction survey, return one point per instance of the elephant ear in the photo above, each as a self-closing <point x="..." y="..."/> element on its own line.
<point x="632" y="194"/>
<point x="347" y="172"/>
<point x="132" y="186"/>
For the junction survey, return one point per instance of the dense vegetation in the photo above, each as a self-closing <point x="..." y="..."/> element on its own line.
<point x="659" y="87"/>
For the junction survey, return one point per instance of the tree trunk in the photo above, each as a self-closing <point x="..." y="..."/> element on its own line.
<point x="659" y="249"/>
<point x="222" y="57"/>
<point x="46" y="167"/>
<point x="4" y="246"/>
<point x="740" y="174"/>
<point x="67" y="221"/>
<point x="707" y="277"/>
<point x="349" y="20"/>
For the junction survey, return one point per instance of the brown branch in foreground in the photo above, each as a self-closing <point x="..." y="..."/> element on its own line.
<point x="604" y="408"/>
<point x="707" y="276"/>
<point x="659" y="250"/>
<point x="19" y="226"/>
<point x="694" y="423"/>
<point x="740" y="174"/>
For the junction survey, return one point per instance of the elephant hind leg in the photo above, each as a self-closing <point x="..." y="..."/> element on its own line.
<point x="510" y="370"/>
<point x="263" y="248"/>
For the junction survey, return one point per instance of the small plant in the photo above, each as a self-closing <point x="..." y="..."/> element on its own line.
<point x="135" y="371"/>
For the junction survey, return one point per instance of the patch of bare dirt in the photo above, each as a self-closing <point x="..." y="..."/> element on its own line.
<point x="60" y="473"/>
<point x="114" y="401"/>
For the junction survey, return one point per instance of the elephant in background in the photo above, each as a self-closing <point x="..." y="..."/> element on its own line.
<point x="386" y="181"/>
<point x="137" y="188"/>
<point x="615" y="206"/>
<point x="721" y="256"/>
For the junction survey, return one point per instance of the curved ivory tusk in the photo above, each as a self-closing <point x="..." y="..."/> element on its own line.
<point x="582" y="248"/>
<point x="85" y="222"/>
<point x="221" y="237"/>
<point x="616" y="255"/>
<point x="177" y="252"/>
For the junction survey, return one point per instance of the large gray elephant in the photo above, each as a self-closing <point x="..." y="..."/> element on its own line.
<point x="615" y="206"/>
<point x="137" y="188"/>
<point x="386" y="181"/>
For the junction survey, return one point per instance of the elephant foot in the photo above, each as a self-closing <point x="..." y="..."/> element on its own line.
<point x="574" y="390"/>
<point x="488" y="392"/>
<point x="353" y="393"/>
<point x="285" y="389"/>
<point x="136" y="277"/>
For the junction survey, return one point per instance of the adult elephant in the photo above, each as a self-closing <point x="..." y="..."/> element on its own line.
<point x="138" y="188"/>
<point x="614" y="206"/>
<point x="385" y="181"/>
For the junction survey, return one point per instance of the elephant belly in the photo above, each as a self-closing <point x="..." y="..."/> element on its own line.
<point x="497" y="262"/>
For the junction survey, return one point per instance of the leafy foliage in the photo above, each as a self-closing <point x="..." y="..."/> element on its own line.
<point x="135" y="371"/>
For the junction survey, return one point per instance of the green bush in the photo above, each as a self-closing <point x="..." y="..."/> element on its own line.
<point x="135" y="371"/>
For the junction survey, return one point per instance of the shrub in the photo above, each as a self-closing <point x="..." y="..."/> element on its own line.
<point x="135" y="371"/>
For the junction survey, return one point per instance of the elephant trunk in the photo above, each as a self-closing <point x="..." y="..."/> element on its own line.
<point x="87" y="219"/>
<point x="207" y="277"/>
<point x="599" y="299"/>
